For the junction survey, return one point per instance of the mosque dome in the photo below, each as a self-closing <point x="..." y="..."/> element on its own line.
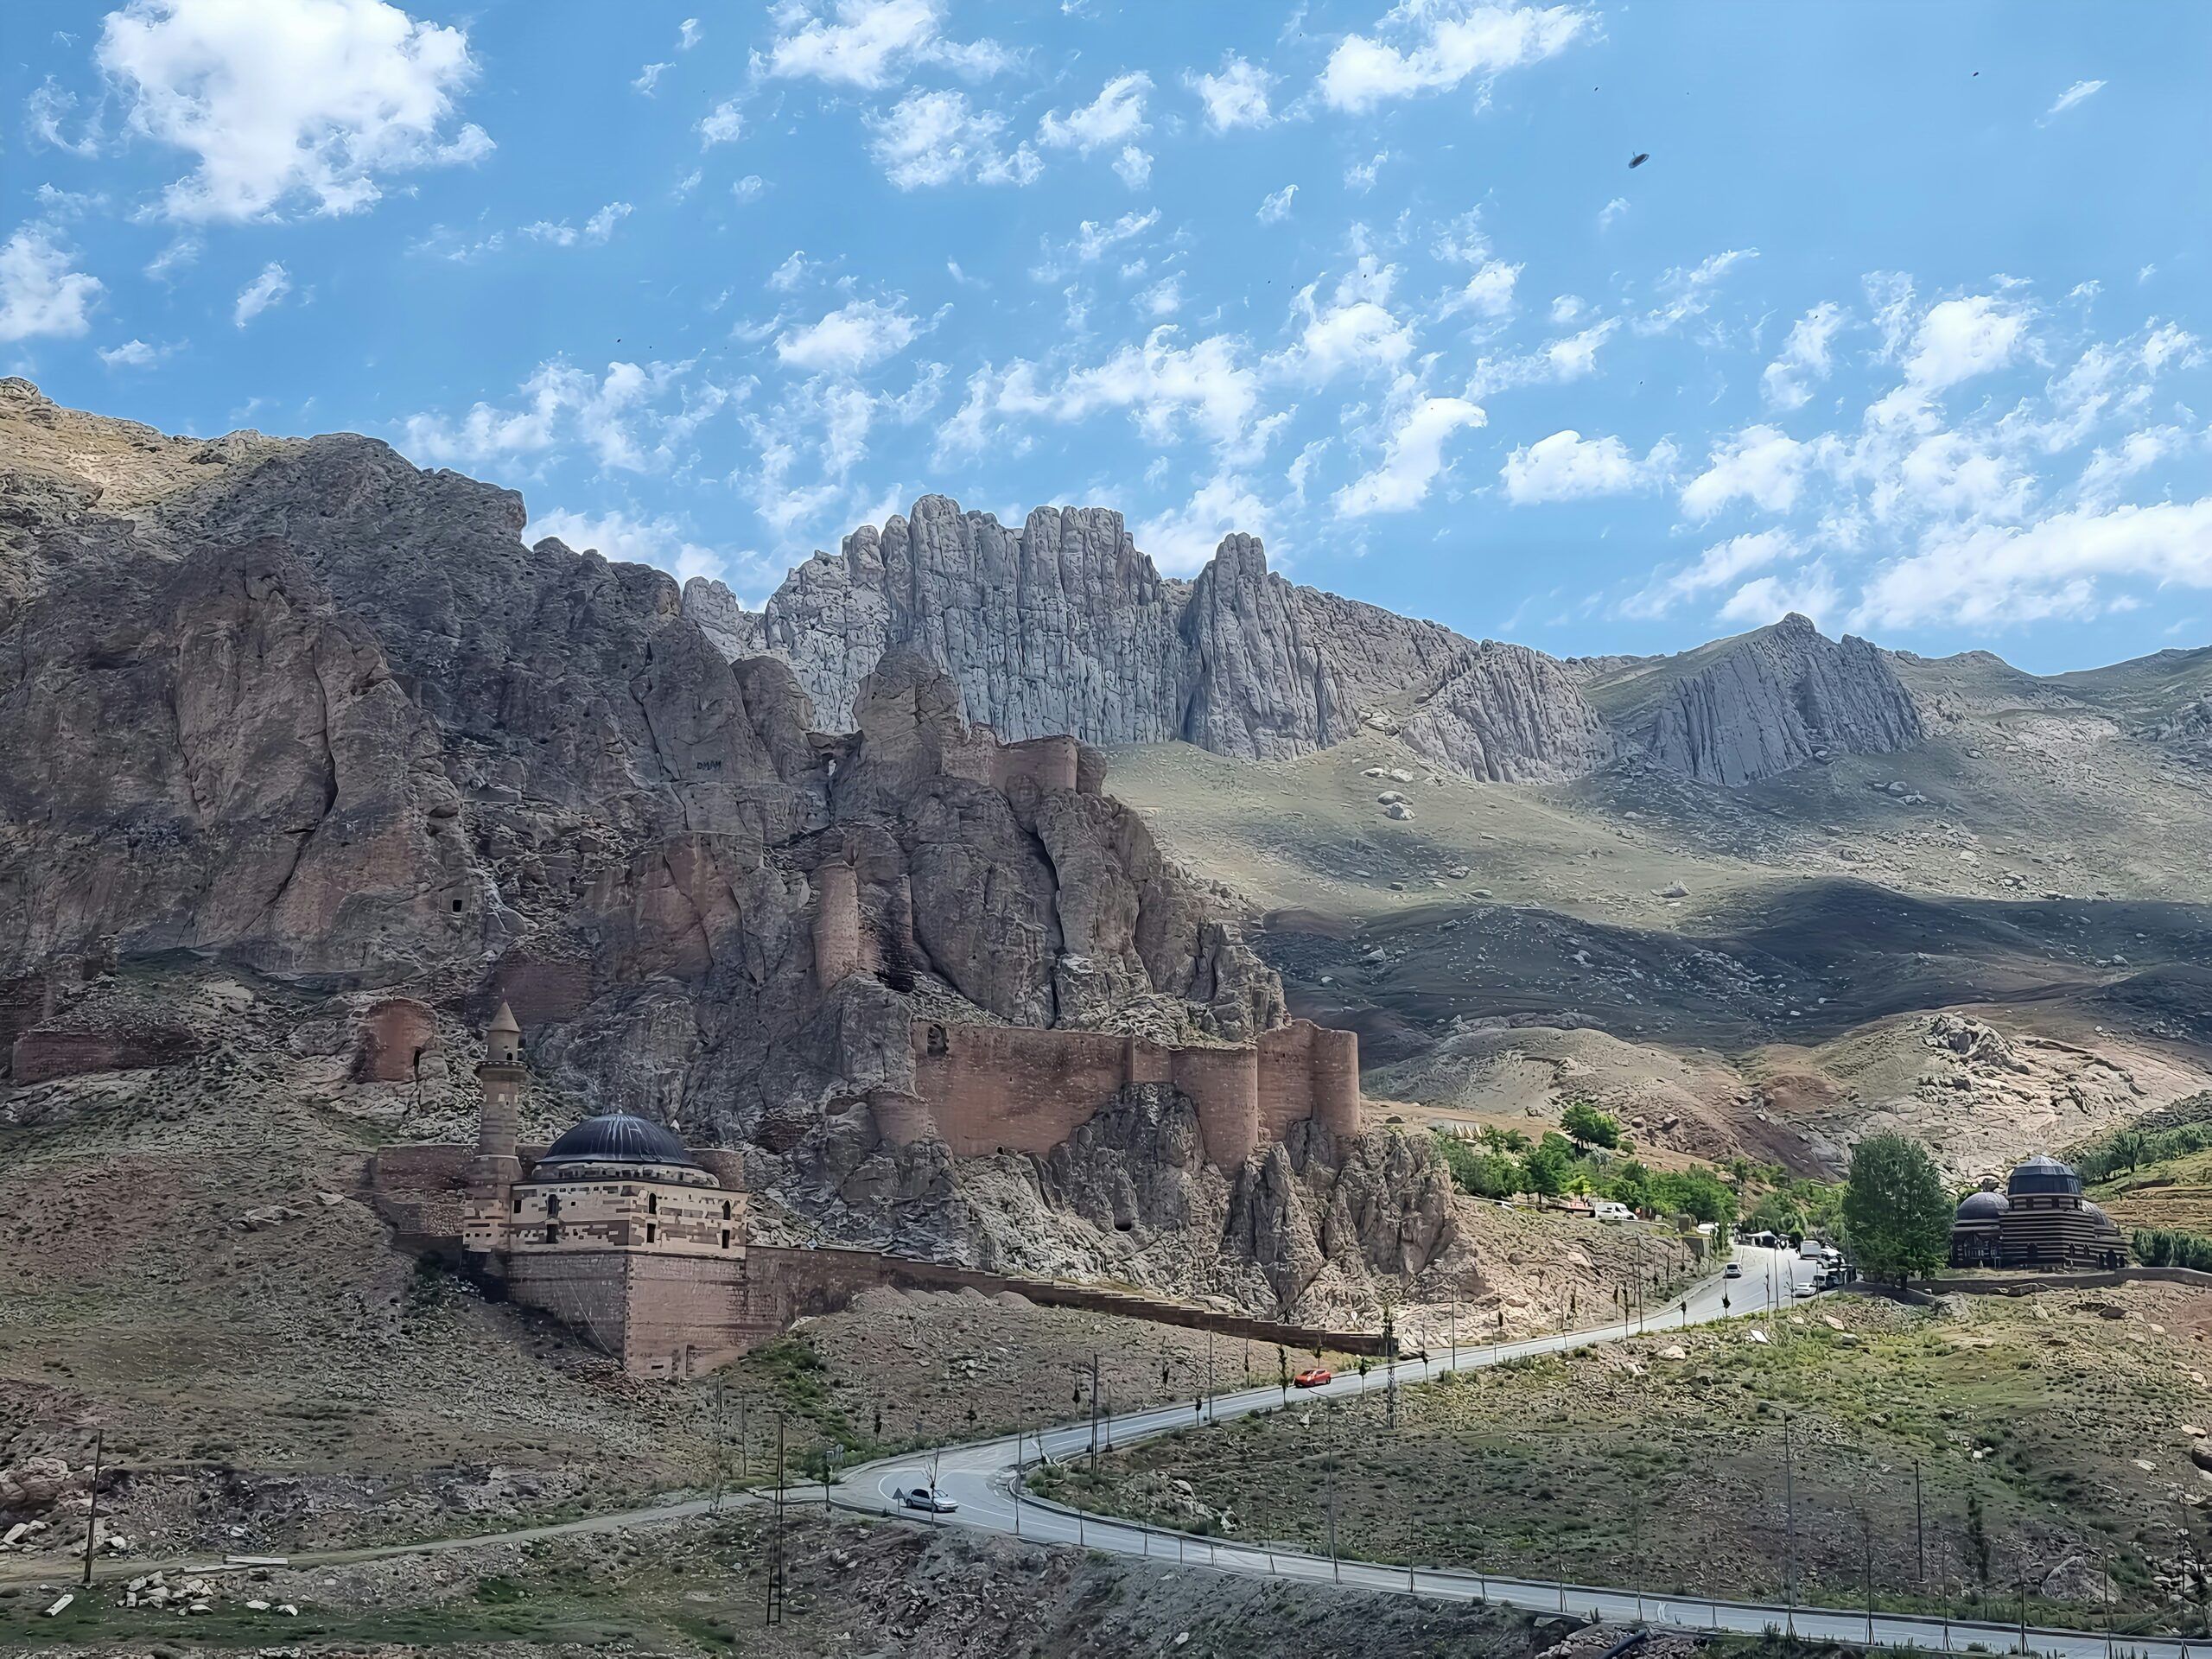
<point x="1985" y="1205"/>
<point x="618" y="1138"/>
<point x="2042" y="1175"/>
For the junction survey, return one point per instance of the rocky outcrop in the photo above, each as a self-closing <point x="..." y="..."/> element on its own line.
<point x="1065" y="627"/>
<point x="1505" y="714"/>
<point x="1750" y="707"/>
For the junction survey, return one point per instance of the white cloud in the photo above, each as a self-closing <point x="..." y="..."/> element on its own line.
<point x="1164" y="298"/>
<point x="597" y="229"/>
<point x="1487" y="293"/>
<point x="1760" y="464"/>
<point x="851" y="339"/>
<point x="872" y="44"/>
<point x="1160" y="384"/>
<point x="1276" y="208"/>
<point x="1959" y="339"/>
<point x="792" y="274"/>
<point x="1992" y="575"/>
<point x="1577" y="355"/>
<point x="257" y="297"/>
<point x="1237" y="97"/>
<point x="617" y="415"/>
<point x="689" y="34"/>
<point x="45" y="111"/>
<point x="1449" y="44"/>
<point x="1567" y="467"/>
<point x="1722" y="563"/>
<point x="1134" y="167"/>
<point x="1612" y="211"/>
<point x="40" y="294"/>
<point x="1360" y="176"/>
<point x="2169" y="343"/>
<point x="1809" y="592"/>
<point x="134" y="354"/>
<point x="749" y="188"/>
<point x="1116" y="115"/>
<point x="1356" y="329"/>
<point x="1181" y="539"/>
<point x="933" y="138"/>
<point x="1411" y="459"/>
<point x="657" y="541"/>
<point x="2079" y="92"/>
<point x="649" y="77"/>
<point x="1567" y="310"/>
<point x="1689" y="292"/>
<point x="1806" y="357"/>
<point x="723" y="125"/>
<point x="311" y="99"/>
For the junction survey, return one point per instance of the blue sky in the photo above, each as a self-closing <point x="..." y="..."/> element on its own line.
<point x="1902" y="324"/>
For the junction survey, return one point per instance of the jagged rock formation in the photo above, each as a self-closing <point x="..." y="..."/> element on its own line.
<point x="297" y="708"/>
<point x="1064" y="626"/>
<point x="1739" y="710"/>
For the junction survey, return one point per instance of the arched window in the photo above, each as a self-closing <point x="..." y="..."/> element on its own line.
<point x="726" y="1214"/>
<point x="652" y="1204"/>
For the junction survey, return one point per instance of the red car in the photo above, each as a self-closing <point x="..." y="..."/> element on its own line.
<point x="1313" y="1377"/>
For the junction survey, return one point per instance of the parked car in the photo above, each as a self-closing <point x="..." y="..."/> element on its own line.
<point x="1313" y="1377"/>
<point x="925" y="1497"/>
<point x="1806" y="1289"/>
<point x="1735" y="1270"/>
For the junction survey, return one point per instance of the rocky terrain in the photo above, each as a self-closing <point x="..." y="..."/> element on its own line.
<point x="1064" y="626"/>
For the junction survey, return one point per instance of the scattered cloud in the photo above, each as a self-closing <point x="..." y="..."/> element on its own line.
<point x="1116" y="115"/>
<point x="1567" y="467"/>
<point x="1434" y="46"/>
<point x="1487" y="293"/>
<point x="257" y="297"/>
<point x="850" y="340"/>
<point x="596" y="229"/>
<point x="873" y="44"/>
<point x="935" y="139"/>
<point x="1412" y="459"/>
<point x="40" y="292"/>
<point x="1809" y="592"/>
<point x="1721" y="565"/>
<point x="1688" y="293"/>
<point x="1235" y="97"/>
<point x="134" y="354"/>
<point x="648" y="78"/>
<point x="1276" y="208"/>
<point x="1612" y="211"/>
<point x="312" y="100"/>
<point x="1806" y="357"/>
<point x="723" y="125"/>
<point x="2080" y="93"/>
<point x="45" y="111"/>
<point x="1959" y="339"/>
<point x="624" y="539"/>
<point x="1761" y="464"/>
<point x="749" y="188"/>
<point x="621" y="418"/>
<point x="1360" y="176"/>
<point x="689" y="34"/>
<point x="1182" y="538"/>
<point x="1134" y="167"/>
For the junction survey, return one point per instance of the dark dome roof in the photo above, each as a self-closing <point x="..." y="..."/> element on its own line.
<point x="1983" y="1206"/>
<point x="618" y="1138"/>
<point x="2042" y="1174"/>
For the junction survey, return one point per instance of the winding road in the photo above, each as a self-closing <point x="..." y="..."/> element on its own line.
<point x="982" y="1477"/>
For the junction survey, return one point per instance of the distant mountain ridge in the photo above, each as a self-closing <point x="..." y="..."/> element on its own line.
<point x="1064" y="625"/>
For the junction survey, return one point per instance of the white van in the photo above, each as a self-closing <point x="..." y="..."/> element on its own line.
<point x="1610" y="1210"/>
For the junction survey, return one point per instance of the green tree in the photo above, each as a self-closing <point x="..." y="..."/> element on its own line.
<point x="1549" y="1166"/>
<point x="1592" y="1128"/>
<point x="1895" y="1209"/>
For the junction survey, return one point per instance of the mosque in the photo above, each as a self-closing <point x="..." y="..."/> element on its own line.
<point x="2039" y="1220"/>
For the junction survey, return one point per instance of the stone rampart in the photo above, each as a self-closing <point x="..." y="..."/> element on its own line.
<point x="987" y="1088"/>
<point x="838" y="933"/>
<point x="1047" y="762"/>
<point x="393" y="1035"/>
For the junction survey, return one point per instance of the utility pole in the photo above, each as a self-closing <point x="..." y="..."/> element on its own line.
<point x="1336" y="1571"/>
<point x="1789" y="1502"/>
<point x="744" y="1463"/>
<point x="1919" y="1531"/>
<point x="714" y="1506"/>
<point x="1391" y="1360"/>
<point x="93" y="1515"/>
<point x="1210" y="1417"/>
<point x="1455" y="1335"/>
<point x="1020" y="1428"/>
<point x="1094" y="1415"/>
<point x="1867" y="1543"/>
<point x="775" y="1609"/>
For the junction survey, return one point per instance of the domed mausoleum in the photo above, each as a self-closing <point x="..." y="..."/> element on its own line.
<point x="2039" y="1220"/>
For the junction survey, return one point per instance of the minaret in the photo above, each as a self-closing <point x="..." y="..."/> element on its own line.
<point x="495" y="1164"/>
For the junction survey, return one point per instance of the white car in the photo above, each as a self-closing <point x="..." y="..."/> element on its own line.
<point x="924" y="1497"/>
<point x="1803" y="1290"/>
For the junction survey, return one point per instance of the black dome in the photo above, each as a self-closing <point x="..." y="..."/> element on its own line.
<point x="618" y="1138"/>
<point x="2042" y="1174"/>
<point x="1983" y="1206"/>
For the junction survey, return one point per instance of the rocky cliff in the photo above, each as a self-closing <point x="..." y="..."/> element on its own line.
<point x="297" y="711"/>
<point x="1064" y="626"/>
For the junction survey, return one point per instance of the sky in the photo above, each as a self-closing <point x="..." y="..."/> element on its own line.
<point x="1902" y="321"/>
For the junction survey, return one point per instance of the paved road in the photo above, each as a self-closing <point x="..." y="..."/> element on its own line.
<point x="981" y="1479"/>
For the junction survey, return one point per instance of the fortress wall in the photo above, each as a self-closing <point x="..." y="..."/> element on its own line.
<point x="1286" y="1077"/>
<point x="1335" y="1067"/>
<point x="901" y="1119"/>
<point x="1003" y="1087"/>
<point x="1223" y="1083"/>
<point x="837" y="948"/>
<point x="393" y="1033"/>
<point x="682" y="1314"/>
<point x="1150" y="1062"/>
<point x="1050" y="762"/>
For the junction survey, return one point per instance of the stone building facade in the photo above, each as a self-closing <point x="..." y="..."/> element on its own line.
<point x="2040" y="1220"/>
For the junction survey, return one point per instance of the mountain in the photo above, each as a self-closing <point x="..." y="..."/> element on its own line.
<point x="1064" y="626"/>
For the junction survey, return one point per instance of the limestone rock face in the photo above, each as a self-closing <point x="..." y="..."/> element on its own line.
<point x="1771" y="701"/>
<point x="1064" y="626"/>
<point x="1505" y="713"/>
